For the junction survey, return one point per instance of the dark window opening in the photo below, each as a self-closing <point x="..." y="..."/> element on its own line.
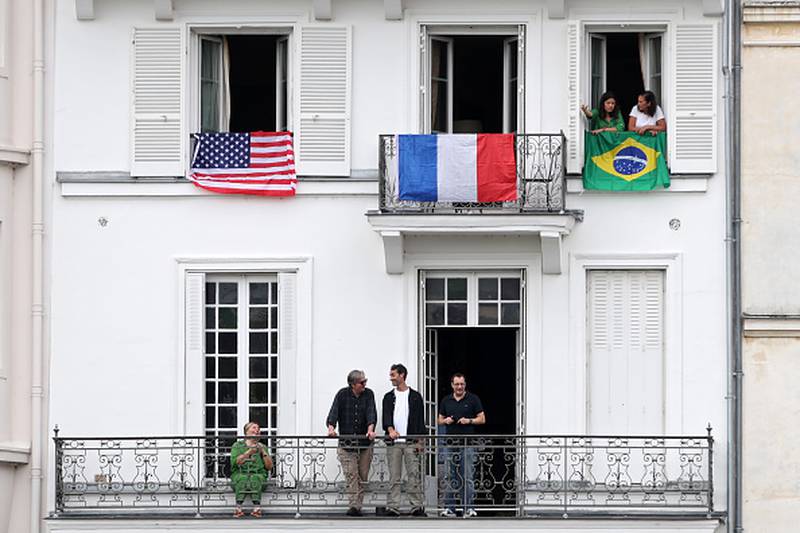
<point x="478" y="85"/>
<point x="624" y="70"/>
<point x="252" y="82"/>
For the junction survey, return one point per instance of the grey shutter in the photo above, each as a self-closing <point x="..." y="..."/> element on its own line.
<point x="194" y="363"/>
<point x="574" y="122"/>
<point x="287" y="353"/>
<point x="157" y="137"/>
<point x="322" y="143"/>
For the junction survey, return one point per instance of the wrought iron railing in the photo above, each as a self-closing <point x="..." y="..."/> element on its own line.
<point x="541" y="186"/>
<point x="515" y="476"/>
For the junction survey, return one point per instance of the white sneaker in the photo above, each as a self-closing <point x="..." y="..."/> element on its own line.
<point x="448" y="513"/>
<point x="470" y="513"/>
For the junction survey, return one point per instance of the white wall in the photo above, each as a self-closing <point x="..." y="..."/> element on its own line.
<point x="115" y="327"/>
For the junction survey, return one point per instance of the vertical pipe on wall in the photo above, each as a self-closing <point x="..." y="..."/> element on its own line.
<point x="733" y="25"/>
<point x="37" y="303"/>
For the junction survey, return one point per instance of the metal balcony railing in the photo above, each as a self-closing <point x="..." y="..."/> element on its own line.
<point x="541" y="186"/>
<point x="516" y="476"/>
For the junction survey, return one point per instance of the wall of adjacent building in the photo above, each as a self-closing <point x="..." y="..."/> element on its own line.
<point x="16" y="118"/>
<point x="770" y="253"/>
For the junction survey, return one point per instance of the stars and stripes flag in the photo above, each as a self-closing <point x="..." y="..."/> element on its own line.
<point x="258" y="162"/>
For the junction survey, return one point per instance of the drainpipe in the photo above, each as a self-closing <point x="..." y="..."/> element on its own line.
<point x="37" y="304"/>
<point x="733" y="92"/>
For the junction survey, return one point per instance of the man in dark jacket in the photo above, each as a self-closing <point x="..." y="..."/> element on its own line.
<point x="354" y="410"/>
<point x="403" y="415"/>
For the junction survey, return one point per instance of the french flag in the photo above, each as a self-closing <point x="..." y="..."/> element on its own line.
<point x="457" y="167"/>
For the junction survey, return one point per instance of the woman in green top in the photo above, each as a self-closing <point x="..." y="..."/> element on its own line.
<point x="607" y="116"/>
<point x="250" y="466"/>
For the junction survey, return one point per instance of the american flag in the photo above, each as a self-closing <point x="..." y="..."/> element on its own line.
<point x="258" y="162"/>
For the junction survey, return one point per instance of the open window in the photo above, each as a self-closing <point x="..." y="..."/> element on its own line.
<point x="625" y="63"/>
<point x="244" y="82"/>
<point x="472" y="79"/>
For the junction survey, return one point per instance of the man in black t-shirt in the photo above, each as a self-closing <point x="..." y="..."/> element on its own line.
<point x="460" y="412"/>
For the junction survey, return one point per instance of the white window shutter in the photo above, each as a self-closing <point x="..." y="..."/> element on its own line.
<point x="625" y="330"/>
<point x="322" y="141"/>
<point x="157" y="138"/>
<point x="693" y="128"/>
<point x="287" y="353"/>
<point x="194" y="333"/>
<point x="574" y="121"/>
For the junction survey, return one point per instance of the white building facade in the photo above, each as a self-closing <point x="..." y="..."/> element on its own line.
<point x="585" y="320"/>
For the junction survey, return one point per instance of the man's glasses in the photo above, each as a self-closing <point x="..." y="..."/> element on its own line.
<point x="362" y="382"/>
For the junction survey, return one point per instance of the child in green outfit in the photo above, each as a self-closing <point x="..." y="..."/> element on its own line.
<point x="607" y="116"/>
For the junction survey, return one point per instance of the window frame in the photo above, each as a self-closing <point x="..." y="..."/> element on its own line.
<point x="428" y="31"/>
<point x="197" y="31"/>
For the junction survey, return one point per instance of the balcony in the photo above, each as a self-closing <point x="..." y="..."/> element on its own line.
<point x="532" y="476"/>
<point x="540" y="208"/>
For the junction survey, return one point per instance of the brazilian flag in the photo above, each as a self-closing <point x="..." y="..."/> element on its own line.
<point x="625" y="161"/>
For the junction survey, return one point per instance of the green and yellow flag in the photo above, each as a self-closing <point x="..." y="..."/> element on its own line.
<point x="625" y="161"/>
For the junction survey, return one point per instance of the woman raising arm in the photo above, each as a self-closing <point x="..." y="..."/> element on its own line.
<point x="607" y="116"/>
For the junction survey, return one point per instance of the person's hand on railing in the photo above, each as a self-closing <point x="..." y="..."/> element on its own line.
<point x="393" y="434"/>
<point x="331" y="431"/>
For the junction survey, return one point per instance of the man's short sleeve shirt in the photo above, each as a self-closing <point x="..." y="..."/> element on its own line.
<point x="468" y="407"/>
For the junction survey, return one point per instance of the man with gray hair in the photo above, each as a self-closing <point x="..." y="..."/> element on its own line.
<point x="354" y="411"/>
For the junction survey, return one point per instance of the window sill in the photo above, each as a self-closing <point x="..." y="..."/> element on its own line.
<point x="678" y="183"/>
<point x="115" y="184"/>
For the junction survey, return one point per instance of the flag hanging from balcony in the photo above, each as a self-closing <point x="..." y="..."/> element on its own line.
<point x="259" y="163"/>
<point x="625" y="161"/>
<point x="457" y="168"/>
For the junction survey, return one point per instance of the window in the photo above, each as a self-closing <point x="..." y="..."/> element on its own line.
<point x="471" y="78"/>
<point x="625" y="329"/>
<point x="241" y="359"/>
<point x="473" y="299"/>
<point x="244" y="82"/>
<point x="625" y="63"/>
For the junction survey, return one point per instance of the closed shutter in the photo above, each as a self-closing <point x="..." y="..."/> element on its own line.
<point x="574" y="121"/>
<point x="323" y="129"/>
<point x="625" y="343"/>
<point x="287" y="353"/>
<point x="157" y="140"/>
<point x="194" y="301"/>
<point x="693" y="128"/>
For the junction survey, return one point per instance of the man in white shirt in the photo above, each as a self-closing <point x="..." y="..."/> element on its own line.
<point x="404" y="415"/>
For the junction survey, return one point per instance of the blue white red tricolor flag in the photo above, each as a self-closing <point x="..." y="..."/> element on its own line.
<point x="457" y="167"/>
<point x="259" y="162"/>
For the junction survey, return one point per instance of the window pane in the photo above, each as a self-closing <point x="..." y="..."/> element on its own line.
<point x="227" y="367"/>
<point x="227" y="417"/>
<point x="434" y="314"/>
<point x="211" y="318"/>
<point x="258" y="367"/>
<point x="273" y="290"/>
<point x="273" y="367"/>
<point x="487" y="313"/>
<point x="258" y="393"/>
<point x="211" y="344"/>
<point x="434" y="289"/>
<point x="510" y="313"/>
<point x="258" y="343"/>
<point x="457" y="314"/>
<point x="211" y="419"/>
<point x="210" y="393"/>
<point x="258" y="318"/>
<point x="227" y="343"/>
<point x="509" y="288"/>
<point x="227" y="392"/>
<point x="211" y="367"/>
<point x="211" y="295"/>
<point x="273" y="392"/>
<point x="227" y="317"/>
<point x="209" y="106"/>
<point x="273" y="317"/>
<point x="487" y="289"/>
<point x="228" y="293"/>
<point x="259" y="415"/>
<point x="457" y="289"/>
<point x="438" y="59"/>
<point x="259" y="293"/>
<point x="439" y="106"/>
<point x="273" y="342"/>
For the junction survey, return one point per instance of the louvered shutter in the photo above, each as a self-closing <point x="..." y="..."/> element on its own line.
<point x="157" y="140"/>
<point x="322" y="143"/>
<point x="625" y="330"/>
<point x="194" y="302"/>
<point x="693" y="128"/>
<point x="574" y="121"/>
<point x="287" y="352"/>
